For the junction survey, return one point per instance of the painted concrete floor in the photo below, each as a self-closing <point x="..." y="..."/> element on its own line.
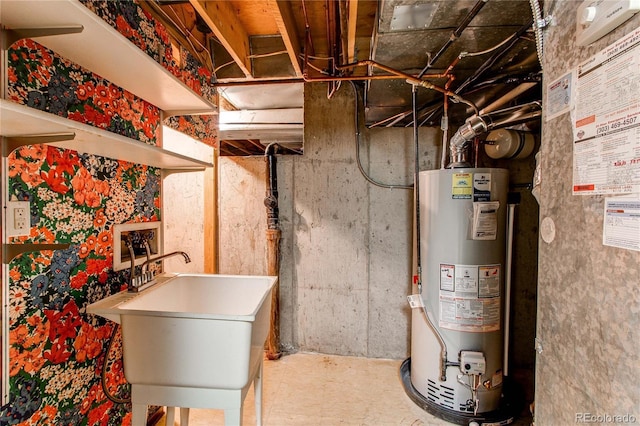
<point x="308" y="389"/>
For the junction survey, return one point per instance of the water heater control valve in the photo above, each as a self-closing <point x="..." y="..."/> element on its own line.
<point x="472" y="363"/>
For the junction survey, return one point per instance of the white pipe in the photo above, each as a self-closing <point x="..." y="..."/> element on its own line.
<point x="507" y="97"/>
<point x="507" y="288"/>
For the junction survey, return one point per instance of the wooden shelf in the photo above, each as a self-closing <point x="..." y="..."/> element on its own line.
<point x="18" y="120"/>
<point x="103" y="50"/>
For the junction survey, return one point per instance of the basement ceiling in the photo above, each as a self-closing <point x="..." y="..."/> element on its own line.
<point x="261" y="52"/>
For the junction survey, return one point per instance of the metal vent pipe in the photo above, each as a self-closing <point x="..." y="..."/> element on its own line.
<point x="479" y="124"/>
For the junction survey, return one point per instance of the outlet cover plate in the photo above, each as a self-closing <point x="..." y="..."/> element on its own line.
<point x="18" y="218"/>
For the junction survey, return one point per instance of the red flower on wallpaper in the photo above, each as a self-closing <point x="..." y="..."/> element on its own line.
<point x="85" y="91"/>
<point x="64" y="323"/>
<point x="58" y="353"/>
<point x="99" y="220"/>
<point x="55" y="180"/>
<point x="96" y="266"/>
<point x="88" y="343"/>
<point x="100" y="414"/>
<point x="102" y="96"/>
<point x="79" y="280"/>
<point x="63" y="160"/>
<point x="87" y="190"/>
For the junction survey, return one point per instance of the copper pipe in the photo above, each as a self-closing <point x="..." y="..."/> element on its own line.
<point x="453" y="64"/>
<point x="353" y="78"/>
<point x="369" y="62"/>
<point x="445" y="132"/>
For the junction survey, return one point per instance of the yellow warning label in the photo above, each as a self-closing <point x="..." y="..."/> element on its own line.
<point x="462" y="185"/>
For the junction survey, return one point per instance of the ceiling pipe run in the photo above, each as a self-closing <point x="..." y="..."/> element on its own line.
<point x="495" y="57"/>
<point x="455" y="34"/>
<point x="479" y="124"/>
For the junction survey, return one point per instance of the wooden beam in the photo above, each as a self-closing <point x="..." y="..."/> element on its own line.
<point x="351" y="30"/>
<point x="237" y="145"/>
<point x="283" y="15"/>
<point x="211" y="217"/>
<point x="223" y="20"/>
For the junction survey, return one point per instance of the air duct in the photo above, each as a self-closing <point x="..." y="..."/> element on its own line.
<point x="479" y="124"/>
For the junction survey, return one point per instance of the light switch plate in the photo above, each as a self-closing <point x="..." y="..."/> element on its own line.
<point x="18" y="218"/>
<point x="597" y="18"/>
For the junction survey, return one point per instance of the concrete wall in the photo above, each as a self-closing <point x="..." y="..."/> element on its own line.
<point x="588" y="294"/>
<point x="346" y="249"/>
<point x="242" y="223"/>
<point x="352" y="255"/>
<point x="346" y="254"/>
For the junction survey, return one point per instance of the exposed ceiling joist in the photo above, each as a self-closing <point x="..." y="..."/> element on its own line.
<point x="223" y="21"/>
<point x="283" y="16"/>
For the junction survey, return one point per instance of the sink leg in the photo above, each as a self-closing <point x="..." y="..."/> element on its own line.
<point x="171" y="416"/>
<point x="139" y="415"/>
<point x="233" y="416"/>
<point x="184" y="416"/>
<point x="257" y="391"/>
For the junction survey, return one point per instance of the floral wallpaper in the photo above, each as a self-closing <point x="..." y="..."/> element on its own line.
<point x="65" y="366"/>
<point x="152" y="37"/>
<point x="41" y="79"/>
<point x="56" y="351"/>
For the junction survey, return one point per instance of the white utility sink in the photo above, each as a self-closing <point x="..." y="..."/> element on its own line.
<point x="193" y="341"/>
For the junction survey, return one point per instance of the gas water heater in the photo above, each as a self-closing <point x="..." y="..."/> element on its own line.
<point x="456" y="368"/>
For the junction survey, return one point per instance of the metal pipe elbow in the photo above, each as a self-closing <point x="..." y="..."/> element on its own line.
<point x="459" y="144"/>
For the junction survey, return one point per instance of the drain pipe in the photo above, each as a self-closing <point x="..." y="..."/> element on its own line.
<point x="479" y="124"/>
<point x="273" y="249"/>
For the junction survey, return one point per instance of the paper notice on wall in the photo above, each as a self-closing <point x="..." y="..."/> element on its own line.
<point x="558" y="96"/>
<point x="485" y="220"/>
<point x="622" y="222"/>
<point x="606" y="123"/>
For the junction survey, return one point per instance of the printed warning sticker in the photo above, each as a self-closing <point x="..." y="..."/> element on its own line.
<point x="485" y="220"/>
<point x="470" y="297"/>
<point x="462" y="185"/>
<point x="473" y="315"/>
<point x="446" y="277"/>
<point x="482" y="187"/>
<point x="489" y="281"/>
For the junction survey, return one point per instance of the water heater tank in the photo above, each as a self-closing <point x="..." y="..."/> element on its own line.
<point x="462" y="239"/>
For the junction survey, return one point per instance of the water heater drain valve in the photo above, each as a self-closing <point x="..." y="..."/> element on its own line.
<point x="472" y="363"/>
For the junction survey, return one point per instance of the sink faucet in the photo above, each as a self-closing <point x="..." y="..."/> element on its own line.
<point x="145" y="279"/>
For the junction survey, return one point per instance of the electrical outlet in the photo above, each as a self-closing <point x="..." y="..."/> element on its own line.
<point x="18" y="218"/>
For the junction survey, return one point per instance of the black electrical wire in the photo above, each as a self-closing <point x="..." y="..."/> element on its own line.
<point x="103" y="376"/>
